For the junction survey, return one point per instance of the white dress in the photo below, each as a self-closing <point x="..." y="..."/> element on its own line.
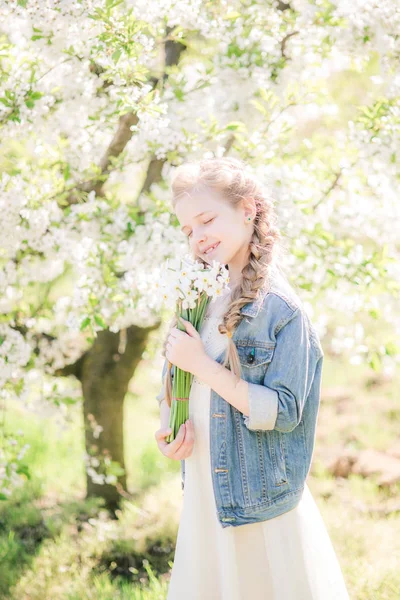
<point x="289" y="557"/>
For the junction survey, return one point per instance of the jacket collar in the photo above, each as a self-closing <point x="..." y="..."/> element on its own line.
<point x="251" y="309"/>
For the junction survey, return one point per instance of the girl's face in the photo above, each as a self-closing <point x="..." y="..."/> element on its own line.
<point x="208" y="220"/>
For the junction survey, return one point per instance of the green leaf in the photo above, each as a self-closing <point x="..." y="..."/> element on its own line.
<point x="36" y="95"/>
<point x="259" y="107"/>
<point x="99" y="320"/>
<point x="93" y="300"/>
<point x="67" y="172"/>
<point x="231" y="15"/>
<point x="68" y="400"/>
<point x="110" y="4"/>
<point x="24" y="470"/>
<point x="116" y="55"/>
<point x="234" y="125"/>
<point x="85" y="323"/>
<point x="375" y="361"/>
<point x="114" y="468"/>
<point x="392" y="349"/>
<point x="306" y="286"/>
<point x="70" y="50"/>
<point x="179" y="94"/>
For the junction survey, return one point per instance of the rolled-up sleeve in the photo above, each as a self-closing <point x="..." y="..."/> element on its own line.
<point x="263" y="407"/>
<point x="279" y="402"/>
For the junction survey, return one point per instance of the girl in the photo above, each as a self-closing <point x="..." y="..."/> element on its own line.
<point x="249" y="528"/>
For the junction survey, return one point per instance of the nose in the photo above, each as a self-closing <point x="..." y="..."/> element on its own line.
<point x="199" y="239"/>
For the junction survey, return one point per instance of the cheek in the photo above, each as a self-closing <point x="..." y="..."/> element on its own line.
<point x="218" y="229"/>
<point x="225" y="233"/>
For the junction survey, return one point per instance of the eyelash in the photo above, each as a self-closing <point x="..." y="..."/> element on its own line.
<point x="205" y="223"/>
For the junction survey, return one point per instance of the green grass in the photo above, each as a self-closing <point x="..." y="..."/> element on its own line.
<point x="56" y="544"/>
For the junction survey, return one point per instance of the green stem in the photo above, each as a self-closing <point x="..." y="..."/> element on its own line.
<point x="182" y="381"/>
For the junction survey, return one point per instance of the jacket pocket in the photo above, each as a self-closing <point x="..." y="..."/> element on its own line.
<point x="254" y="358"/>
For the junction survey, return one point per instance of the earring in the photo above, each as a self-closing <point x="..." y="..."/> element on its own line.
<point x="249" y="218"/>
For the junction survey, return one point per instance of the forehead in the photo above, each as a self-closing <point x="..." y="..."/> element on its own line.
<point x="189" y="206"/>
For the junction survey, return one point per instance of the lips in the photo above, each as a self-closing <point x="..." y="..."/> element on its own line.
<point x="213" y="250"/>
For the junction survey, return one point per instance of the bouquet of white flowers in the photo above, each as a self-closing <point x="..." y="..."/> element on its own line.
<point x="189" y="286"/>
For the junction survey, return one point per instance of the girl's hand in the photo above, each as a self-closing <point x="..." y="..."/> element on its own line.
<point x="185" y="349"/>
<point x="181" y="447"/>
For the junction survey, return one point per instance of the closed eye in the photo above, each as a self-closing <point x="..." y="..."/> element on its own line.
<point x="205" y="223"/>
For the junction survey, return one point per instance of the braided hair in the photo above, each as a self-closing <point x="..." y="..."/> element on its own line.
<point x="230" y="177"/>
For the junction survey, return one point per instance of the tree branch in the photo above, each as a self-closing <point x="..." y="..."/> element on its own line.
<point x="173" y="50"/>
<point x="329" y="190"/>
<point x="283" y="42"/>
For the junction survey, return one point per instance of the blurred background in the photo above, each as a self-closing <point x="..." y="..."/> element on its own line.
<point x="100" y="101"/>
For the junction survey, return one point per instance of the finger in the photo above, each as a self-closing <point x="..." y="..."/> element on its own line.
<point x="178" y="337"/>
<point x="170" y="346"/>
<point x="173" y="337"/>
<point x="190" y="328"/>
<point x="186" y="448"/>
<point x="160" y="434"/>
<point x="189" y="433"/>
<point x="183" y="453"/>
<point x="164" y="445"/>
<point x="175" y="445"/>
<point x="174" y="333"/>
<point x="161" y="443"/>
<point x="189" y="437"/>
<point x="176" y="330"/>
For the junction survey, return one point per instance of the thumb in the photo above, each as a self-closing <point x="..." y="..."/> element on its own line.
<point x="165" y="432"/>
<point x="190" y="328"/>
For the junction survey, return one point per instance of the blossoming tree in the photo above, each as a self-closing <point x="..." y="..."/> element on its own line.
<point x="100" y="99"/>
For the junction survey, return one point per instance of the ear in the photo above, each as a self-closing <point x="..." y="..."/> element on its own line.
<point x="249" y="209"/>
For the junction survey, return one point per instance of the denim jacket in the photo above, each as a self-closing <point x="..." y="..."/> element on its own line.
<point x="259" y="462"/>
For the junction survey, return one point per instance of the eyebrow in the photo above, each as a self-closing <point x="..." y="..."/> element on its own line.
<point x="196" y="217"/>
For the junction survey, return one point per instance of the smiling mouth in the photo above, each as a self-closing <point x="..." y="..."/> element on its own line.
<point x="213" y="249"/>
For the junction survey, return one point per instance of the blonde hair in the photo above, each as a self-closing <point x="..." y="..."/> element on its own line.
<point x="230" y="178"/>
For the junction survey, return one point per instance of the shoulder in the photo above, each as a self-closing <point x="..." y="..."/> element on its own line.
<point x="282" y="304"/>
<point x="281" y="299"/>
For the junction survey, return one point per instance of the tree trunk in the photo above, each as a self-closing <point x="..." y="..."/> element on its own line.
<point x="105" y="371"/>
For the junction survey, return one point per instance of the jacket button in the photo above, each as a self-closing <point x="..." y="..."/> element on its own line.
<point x="250" y="358"/>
